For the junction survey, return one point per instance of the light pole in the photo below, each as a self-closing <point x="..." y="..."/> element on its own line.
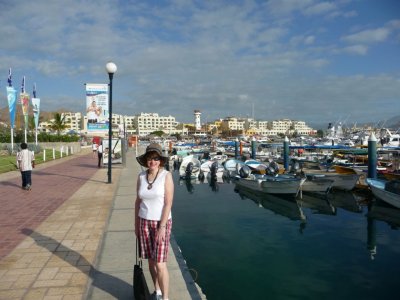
<point x="111" y="68"/>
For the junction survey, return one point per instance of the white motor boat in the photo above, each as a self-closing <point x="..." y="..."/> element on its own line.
<point x="190" y="167"/>
<point x="388" y="191"/>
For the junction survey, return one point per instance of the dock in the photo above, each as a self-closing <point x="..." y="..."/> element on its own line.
<point x="72" y="236"/>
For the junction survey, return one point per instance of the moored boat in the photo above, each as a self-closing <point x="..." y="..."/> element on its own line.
<point x="190" y="167"/>
<point x="388" y="191"/>
<point x="272" y="184"/>
<point x="317" y="184"/>
<point x="232" y="167"/>
<point x="212" y="168"/>
<point x="345" y="182"/>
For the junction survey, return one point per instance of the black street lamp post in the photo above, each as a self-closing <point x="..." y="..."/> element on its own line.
<point x="111" y="68"/>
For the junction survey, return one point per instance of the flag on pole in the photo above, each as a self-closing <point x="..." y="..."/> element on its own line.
<point x="23" y="85"/>
<point x="9" y="78"/>
<point x="12" y="103"/>
<point x="35" y="107"/>
<point x="24" y="98"/>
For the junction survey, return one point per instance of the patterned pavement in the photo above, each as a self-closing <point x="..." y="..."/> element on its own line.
<point x="49" y="236"/>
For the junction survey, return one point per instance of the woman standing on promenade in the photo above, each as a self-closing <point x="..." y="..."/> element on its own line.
<point x="153" y="222"/>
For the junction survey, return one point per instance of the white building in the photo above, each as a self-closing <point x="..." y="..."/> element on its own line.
<point x="268" y="128"/>
<point x="232" y="123"/>
<point x="146" y="123"/>
<point x="72" y="120"/>
<point x="197" y="121"/>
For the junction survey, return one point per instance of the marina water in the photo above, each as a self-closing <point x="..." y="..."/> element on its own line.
<point x="245" y="246"/>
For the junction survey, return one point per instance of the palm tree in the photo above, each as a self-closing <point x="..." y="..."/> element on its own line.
<point x="58" y="124"/>
<point x="31" y="123"/>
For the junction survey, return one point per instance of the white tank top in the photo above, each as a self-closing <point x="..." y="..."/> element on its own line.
<point x="152" y="202"/>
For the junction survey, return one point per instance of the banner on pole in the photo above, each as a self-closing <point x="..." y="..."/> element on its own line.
<point x="36" y="110"/>
<point x="116" y="151"/>
<point x="97" y="107"/>
<point x="25" y="107"/>
<point x="12" y="103"/>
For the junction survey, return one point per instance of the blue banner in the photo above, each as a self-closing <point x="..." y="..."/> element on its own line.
<point x="97" y="107"/>
<point x="12" y="103"/>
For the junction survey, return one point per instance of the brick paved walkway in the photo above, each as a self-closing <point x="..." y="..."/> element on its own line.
<point x="50" y="236"/>
<point x="50" y="188"/>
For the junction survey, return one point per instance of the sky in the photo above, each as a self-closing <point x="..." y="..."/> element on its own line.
<point x="316" y="61"/>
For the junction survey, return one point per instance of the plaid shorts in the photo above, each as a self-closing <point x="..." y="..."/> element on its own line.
<point x="149" y="247"/>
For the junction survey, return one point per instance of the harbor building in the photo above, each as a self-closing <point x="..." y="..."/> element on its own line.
<point x="197" y="121"/>
<point x="232" y="124"/>
<point x="72" y="121"/>
<point x="146" y="123"/>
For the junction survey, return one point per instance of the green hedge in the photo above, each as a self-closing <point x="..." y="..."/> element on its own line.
<point x="19" y="137"/>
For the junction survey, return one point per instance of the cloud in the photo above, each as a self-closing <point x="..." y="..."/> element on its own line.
<point x="319" y="8"/>
<point x="368" y="36"/>
<point x="355" y="49"/>
<point x="217" y="56"/>
<point x="286" y="7"/>
<point x="309" y="40"/>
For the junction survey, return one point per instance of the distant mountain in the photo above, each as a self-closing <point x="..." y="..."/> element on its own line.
<point x="393" y="123"/>
<point x="44" y="115"/>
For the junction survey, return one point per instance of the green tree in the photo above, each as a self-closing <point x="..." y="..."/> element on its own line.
<point x="320" y="133"/>
<point x="31" y="122"/>
<point x="58" y="123"/>
<point x="158" y="133"/>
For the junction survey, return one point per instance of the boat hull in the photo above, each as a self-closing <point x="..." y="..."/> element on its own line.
<point x="273" y="185"/>
<point x="317" y="185"/>
<point x="281" y="186"/>
<point x="378" y="190"/>
<point x="345" y="182"/>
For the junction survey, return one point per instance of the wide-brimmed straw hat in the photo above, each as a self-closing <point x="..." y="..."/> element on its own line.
<point x="154" y="147"/>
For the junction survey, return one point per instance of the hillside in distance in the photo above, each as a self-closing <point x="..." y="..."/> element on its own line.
<point x="392" y="123"/>
<point x="44" y="115"/>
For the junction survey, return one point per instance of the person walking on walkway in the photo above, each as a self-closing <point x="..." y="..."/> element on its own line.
<point x="153" y="221"/>
<point x="99" y="154"/>
<point x="25" y="163"/>
<point x="94" y="149"/>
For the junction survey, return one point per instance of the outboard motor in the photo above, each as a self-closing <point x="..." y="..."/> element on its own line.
<point x="213" y="170"/>
<point x="294" y="166"/>
<point x="206" y="155"/>
<point x="214" y="184"/>
<point x="189" y="170"/>
<point x="201" y="176"/>
<point x="273" y="168"/>
<point x="244" y="172"/>
<point x="176" y="165"/>
<point x="271" y="171"/>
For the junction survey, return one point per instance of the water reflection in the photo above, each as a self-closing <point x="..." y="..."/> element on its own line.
<point x="188" y="182"/>
<point x="281" y="205"/>
<point x="379" y="210"/>
<point x="346" y="200"/>
<point x="213" y="182"/>
<point x="343" y="236"/>
<point x="318" y="203"/>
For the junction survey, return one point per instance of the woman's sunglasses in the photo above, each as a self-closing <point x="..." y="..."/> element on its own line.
<point x="157" y="158"/>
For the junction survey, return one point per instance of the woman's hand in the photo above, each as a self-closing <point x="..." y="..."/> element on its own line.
<point x="160" y="234"/>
